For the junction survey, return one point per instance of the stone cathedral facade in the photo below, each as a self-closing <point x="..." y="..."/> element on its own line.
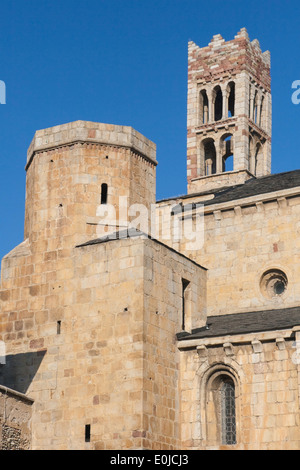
<point x="116" y="338"/>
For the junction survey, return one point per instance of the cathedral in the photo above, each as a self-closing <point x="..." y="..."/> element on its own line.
<point x="128" y="323"/>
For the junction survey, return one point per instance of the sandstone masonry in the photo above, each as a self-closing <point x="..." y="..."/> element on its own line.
<point x="124" y="339"/>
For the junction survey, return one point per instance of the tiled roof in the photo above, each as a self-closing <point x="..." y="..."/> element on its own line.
<point x="257" y="186"/>
<point x="252" y="187"/>
<point x="249" y="322"/>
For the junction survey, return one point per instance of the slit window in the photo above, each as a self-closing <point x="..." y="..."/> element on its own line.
<point x="185" y="285"/>
<point x="87" y="433"/>
<point x="104" y="189"/>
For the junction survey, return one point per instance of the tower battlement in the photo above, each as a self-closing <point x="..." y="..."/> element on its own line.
<point x="221" y="59"/>
<point x="229" y="111"/>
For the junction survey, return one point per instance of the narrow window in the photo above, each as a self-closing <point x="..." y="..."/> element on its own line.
<point x="261" y="114"/>
<point x="255" y="114"/>
<point x="227" y="159"/>
<point x="104" y="193"/>
<point x="204" y="110"/>
<point x="228" y="412"/>
<point x="231" y="99"/>
<point x="87" y="433"/>
<point x="221" y="409"/>
<point x="185" y="285"/>
<point x="209" y="157"/>
<point x="59" y="327"/>
<point x="218" y="103"/>
<point x="255" y="108"/>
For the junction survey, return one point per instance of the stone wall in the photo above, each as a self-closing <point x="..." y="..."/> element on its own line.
<point x="67" y="166"/>
<point x="162" y="320"/>
<point x="15" y="420"/>
<point x="265" y="368"/>
<point x="96" y="346"/>
<point x="243" y="240"/>
<point x="207" y="183"/>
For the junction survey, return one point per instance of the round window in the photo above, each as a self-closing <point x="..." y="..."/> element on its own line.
<point x="273" y="283"/>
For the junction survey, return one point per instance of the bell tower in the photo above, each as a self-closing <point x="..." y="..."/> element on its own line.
<point x="229" y="113"/>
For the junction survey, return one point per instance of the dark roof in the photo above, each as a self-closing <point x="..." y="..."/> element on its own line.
<point x="117" y="235"/>
<point x="249" y="322"/>
<point x="252" y="187"/>
<point x="257" y="186"/>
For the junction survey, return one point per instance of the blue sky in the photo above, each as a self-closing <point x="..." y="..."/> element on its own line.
<point x="125" y="62"/>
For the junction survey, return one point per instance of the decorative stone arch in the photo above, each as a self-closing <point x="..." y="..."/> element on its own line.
<point x="211" y="381"/>
<point x="257" y="107"/>
<point x="267" y="286"/>
<point x="256" y="154"/>
<point x="259" y="157"/>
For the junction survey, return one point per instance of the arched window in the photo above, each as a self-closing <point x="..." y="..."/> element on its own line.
<point x="227" y="152"/>
<point x="218" y="103"/>
<point x="203" y="107"/>
<point x="221" y="407"/>
<point x="256" y="156"/>
<point x="228" y="414"/>
<point x="104" y="189"/>
<point x="231" y="98"/>
<point x="209" y="151"/>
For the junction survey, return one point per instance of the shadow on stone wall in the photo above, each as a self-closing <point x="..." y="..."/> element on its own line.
<point x="20" y="369"/>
